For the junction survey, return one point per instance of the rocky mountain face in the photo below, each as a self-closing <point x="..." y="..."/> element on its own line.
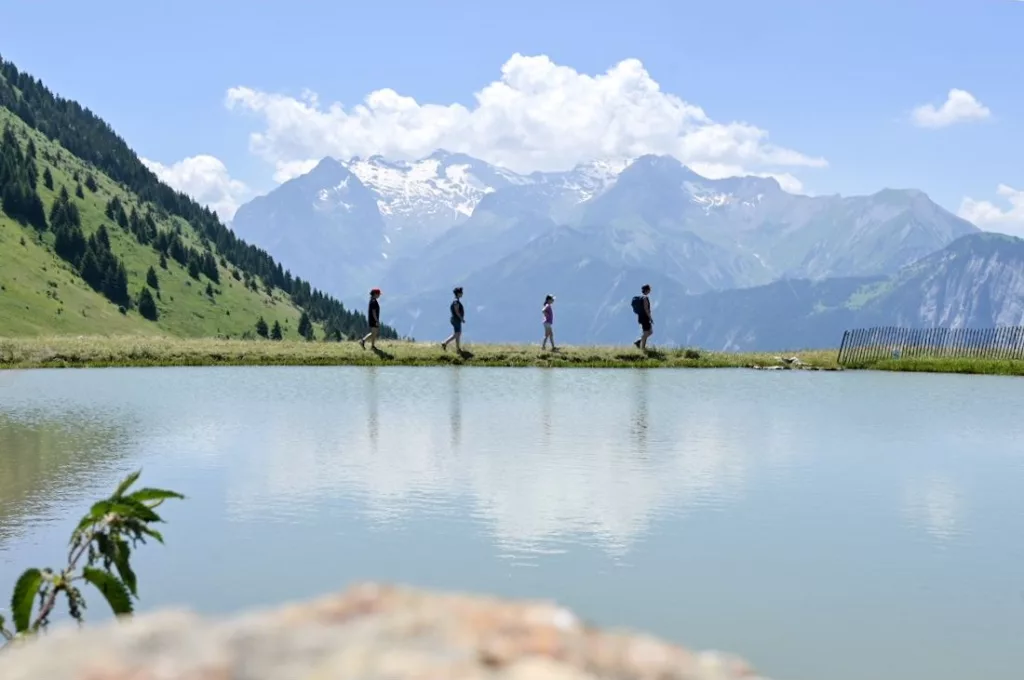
<point x="325" y="224"/>
<point x="592" y="236"/>
<point x="978" y="280"/>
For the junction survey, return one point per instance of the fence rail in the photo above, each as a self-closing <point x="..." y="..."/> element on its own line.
<point x="885" y="342"/>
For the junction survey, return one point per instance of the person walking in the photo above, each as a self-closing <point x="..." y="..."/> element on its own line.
<point x="642" y="308"/>
<point x="458" y="317"/>
<point x="373" y="319"/>
<point x="549" y="320"/>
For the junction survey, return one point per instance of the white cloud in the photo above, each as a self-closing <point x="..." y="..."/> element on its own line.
<point x="991" y="217"/>
<point x="286" y="170"/>
<point x="206" y="179"/>
<point x="537" y="116"/>
<point x="960" y="107"/>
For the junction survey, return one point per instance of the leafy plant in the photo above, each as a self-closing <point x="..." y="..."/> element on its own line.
<point x="99" y="554"/>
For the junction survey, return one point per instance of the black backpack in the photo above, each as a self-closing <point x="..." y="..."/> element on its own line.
<point x="638" y="305"/>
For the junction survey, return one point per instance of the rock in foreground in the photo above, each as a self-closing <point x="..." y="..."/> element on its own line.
<point x="369" y="632"/>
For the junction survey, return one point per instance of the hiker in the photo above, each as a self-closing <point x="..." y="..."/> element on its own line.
<point x="549" y="320"/>
<point x="458" y="317"/>
<point x="373" y="318"/>
<point x="642" y="309"/>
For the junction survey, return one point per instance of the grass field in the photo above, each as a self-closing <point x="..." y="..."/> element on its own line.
<point x="86" y="351"/>
<point x="163" y="351"/>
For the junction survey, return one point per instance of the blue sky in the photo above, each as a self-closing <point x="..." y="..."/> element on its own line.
<point x="834" y="80"/>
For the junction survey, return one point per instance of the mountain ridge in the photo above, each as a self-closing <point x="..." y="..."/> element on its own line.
<point x="766" y="232"/>
<point x="124" y="240"/>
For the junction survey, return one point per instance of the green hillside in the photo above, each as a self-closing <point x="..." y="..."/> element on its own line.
<point x="82" y="258"/>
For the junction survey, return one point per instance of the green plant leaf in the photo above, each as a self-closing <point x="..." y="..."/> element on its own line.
<point x="148" y="494"/>
<point x="129" y="507"/>
<point x="125" y="507"/>
<point x="113" y="590"/>
<point x="140" y="528"/>
<point x="126" y="483"/>
<point x="122" y="553"/>
<point x="23" y="597"/>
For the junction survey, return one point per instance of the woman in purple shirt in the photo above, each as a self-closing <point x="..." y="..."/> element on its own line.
<point x="549" y="320"/>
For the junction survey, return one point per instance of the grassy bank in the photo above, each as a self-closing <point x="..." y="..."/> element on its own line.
<point x="101" y="351"/>
<point x="83" y="351"/>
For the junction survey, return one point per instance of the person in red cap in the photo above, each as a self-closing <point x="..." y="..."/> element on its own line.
<point x="373" y="318"/>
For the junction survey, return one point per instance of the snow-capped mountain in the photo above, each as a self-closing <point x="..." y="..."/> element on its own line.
<point x="420" y="200"/>
<point x="430" y="194"/>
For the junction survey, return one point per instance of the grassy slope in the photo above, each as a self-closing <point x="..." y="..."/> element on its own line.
<point x="31" y="274"/>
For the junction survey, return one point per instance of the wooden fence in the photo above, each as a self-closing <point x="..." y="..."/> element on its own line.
<point x="890" y="342"/>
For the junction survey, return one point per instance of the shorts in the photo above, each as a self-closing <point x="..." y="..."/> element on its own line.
<point x="457" y="325"/>
<point x="547" y="326"/>
<point x="646" y="325"/>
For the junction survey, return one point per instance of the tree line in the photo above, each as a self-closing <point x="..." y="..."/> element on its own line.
<point x="90" y="138"/>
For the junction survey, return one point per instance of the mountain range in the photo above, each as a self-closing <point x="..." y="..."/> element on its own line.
<point x="736" y="263"/>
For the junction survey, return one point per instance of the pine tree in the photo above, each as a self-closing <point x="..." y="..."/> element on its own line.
<point x="305" y="326"/>
<point x="78" y="191"/>
<point x="30" y="150"/>
<point x="275" y="333"/>
<point x="90" y="183"/>
<point x="151" y="280"/>
<point x="48" y="179"/>
<point x="103" y="238"/>
<point x="209" y="290"/>
<point x="193" y="268"/>
<point x="163" y="261"/>
<point x="18" y="178"/>
<point x="147" y="305"/>
<point x="261" y="327"/>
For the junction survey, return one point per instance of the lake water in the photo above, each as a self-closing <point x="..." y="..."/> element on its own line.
<point x="824" y="526"/>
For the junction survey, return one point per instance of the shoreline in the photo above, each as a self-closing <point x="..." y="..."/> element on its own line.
<point x="150" y="352"/>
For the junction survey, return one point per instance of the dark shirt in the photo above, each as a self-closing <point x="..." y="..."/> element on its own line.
<point x="457" y="310"/>
<point x="646" y="316"/>
<point x="373" y="313"/>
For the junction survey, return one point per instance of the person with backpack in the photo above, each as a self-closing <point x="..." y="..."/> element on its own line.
<point x="549" y="319"/>
<point x="373" y="318"/>
<point x="458" y="317"/>
<point x="642" y="309"/>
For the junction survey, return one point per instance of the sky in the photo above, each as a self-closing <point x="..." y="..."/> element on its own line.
<point x="225" y="99"/>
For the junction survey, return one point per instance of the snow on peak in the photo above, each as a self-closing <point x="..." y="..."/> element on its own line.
<point x="586" y="180"/>
<point x="449" y="185"/>
<point x="706" y="197"/>
<point x="432" y="185"/>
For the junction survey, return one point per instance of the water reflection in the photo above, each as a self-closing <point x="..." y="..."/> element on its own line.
<point x="372" y="420"/>
<point x="795" y="518"/>
<point x="455" y="416"/>
<point x="48" y="459"/>
<point x="935" y="505"/>
<point x="550" y="461"/>
<point x="640" y="425"/>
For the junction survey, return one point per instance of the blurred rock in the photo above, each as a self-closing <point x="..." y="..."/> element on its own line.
<point x="371" y="632"/>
